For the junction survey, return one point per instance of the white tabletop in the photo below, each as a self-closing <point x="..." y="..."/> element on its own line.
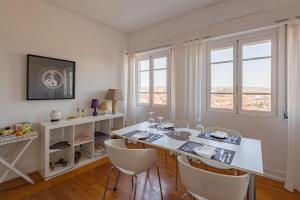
<point x="248" y="155"/>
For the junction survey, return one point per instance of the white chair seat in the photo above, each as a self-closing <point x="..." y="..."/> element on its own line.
<point x="204" y="185"/>
<point x="130" y="161"/>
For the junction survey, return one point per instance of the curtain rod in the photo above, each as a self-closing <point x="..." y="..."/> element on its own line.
<point x="207" y="38"/>
<point x="153" y="49"/>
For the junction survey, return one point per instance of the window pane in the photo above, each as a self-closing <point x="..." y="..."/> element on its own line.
<point x="258" y="49"/>
<point x="221" y="55"/>
<point x="224" y="101"/>
<point x="143" y="65"/>
<point x="257" y="102"/>
<point x="143" y="98"/>
<point x="257" y="76"/>
<point x="222" y="78"/>
<point x="160" y="63"/>
<point x="143" y="81"/>
<point x="160" y="98"/>
<point x="160" y="81"/>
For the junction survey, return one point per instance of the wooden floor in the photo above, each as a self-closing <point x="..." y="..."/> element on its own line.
<point x="88" y="183"/>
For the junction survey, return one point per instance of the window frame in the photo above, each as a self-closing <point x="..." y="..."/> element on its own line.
<point x="220" y="45"/>
<point x="237" y="43"/>
<point x="274" y="45"/>
<point x="151" y="56"/>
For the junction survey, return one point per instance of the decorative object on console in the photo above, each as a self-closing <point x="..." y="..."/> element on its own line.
<point x="60" y="145"/>
<point x="55" y="115"/>
<point x="95" y="104"/>
<point x="60" y="163"/>
<point x="114" y="95"/>
<point x="103" y="107"/>
<point x="50" y="78"/>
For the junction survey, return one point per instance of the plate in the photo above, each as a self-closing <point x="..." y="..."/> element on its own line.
<point x="219" y="134"/>
<point x="142" y="135"/>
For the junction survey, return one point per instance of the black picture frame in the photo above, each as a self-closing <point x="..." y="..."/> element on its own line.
<point x="32" y="79"/>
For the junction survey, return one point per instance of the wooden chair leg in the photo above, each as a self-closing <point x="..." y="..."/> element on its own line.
<point x="166" y="156"/>
<point x="135" y="186"/>
<point x="117" y="181"/>
<point x="107" y="181"/>
<point x="161" y="194"/>
<point x="176" y="172"/>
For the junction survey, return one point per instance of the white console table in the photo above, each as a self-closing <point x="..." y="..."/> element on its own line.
<point x="67" y="130"/>
<point x="6" y="140"/>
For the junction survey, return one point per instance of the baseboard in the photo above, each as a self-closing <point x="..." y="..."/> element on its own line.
<point x="274" y="174"/>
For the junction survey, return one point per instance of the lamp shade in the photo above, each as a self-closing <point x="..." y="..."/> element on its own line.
<point x="95" y="103"/>
<point x="114" y="94"/>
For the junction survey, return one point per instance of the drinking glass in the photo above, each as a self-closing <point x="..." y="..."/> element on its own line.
<point x="160" y="125"/>
<point x="151" y="120"/>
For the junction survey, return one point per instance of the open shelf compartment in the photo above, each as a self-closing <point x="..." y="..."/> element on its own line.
<point x="117" y="123"/>
<point x="83" y="153"/>
<point x="84" y="133"/>
<point x="57" y="159"/>
<point x="60" y="135"/>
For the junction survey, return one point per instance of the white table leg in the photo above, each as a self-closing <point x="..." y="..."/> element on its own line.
<point x="10" y="167"/>
<point x="252" y="188"/>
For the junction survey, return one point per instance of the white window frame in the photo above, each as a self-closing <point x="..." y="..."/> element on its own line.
<point x="221" y="45"/>
<point x="237" y="43"/>
<point x="273" y="38"/>
<point x="151" y="56"/>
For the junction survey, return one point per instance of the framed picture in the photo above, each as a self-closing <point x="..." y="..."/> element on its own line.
<point x="50" y="78"/>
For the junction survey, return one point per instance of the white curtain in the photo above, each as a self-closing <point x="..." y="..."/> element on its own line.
<point x="293" y="162"/>
<point x="131" y="99"/>
<point x="186" y="82"/>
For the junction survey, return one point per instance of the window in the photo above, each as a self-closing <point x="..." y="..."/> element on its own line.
<point x="152" y="78"/>
<point x="242" y="75"/>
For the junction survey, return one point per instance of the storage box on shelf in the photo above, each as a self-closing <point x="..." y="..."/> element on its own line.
<point x="85" y="137"/>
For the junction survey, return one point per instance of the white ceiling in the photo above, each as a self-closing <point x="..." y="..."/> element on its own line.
<point x="132" y="15"/>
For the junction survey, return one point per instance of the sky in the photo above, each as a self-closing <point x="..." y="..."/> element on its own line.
<point x="255" y="73"/>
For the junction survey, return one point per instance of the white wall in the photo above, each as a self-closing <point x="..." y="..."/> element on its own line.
<point x="230" y="17"/>
<point x="38" y="27"/>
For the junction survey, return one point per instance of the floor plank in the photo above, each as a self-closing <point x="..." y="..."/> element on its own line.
<point x="88" y="183"/>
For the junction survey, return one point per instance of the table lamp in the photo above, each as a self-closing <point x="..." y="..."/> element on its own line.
<point x="103" y="107"/>
<point x="95" y="104"/>
<point x="114" y="95"/>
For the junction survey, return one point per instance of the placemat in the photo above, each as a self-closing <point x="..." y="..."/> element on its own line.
<point x="153" y="137"/>
<point x="189" y="148"/>
<point x="182" y="135"/>
<point x="230" y="139"/>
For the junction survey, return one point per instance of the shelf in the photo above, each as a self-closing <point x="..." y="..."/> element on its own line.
<point x="84" y="142"/>
<point x="80" y="130"/>
<point x="59" y="170"/>
<point x="57" y="150"/>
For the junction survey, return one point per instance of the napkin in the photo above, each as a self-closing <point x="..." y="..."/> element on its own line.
<point x="141" y="135"/>
<point x="219" y="134"/>
<point x="205" y="151"/>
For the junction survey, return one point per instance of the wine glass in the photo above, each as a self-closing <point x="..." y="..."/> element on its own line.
<point x="160" y="118"/>
<point x="151" y="120"/>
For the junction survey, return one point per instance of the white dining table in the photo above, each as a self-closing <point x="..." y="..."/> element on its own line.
<point x="247" y="157"/>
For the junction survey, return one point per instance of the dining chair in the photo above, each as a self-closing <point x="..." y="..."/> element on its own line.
<point x="131" y="162"/>
<point x="177" y="124"/>
<point x="202" y="184"/>
<point x="214" y="164"/>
